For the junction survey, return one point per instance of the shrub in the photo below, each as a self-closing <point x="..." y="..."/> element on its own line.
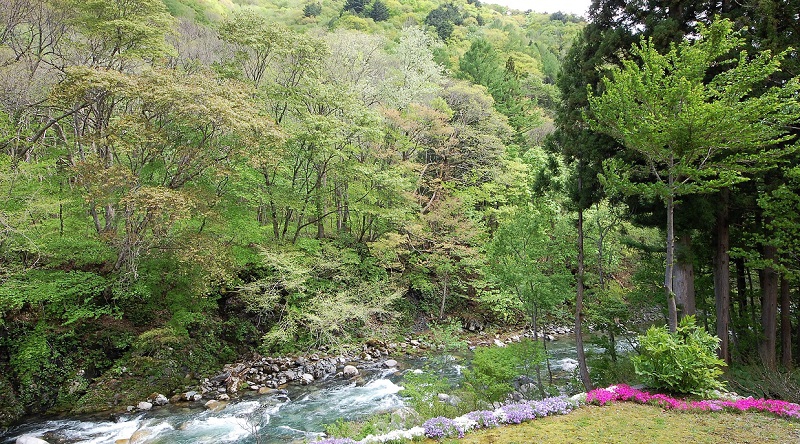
<point x="495" y="368"/>
<point x="682" y="362"/>
<point x="422" y="391"/>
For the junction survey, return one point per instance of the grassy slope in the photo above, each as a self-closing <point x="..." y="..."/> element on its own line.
<point x="632" y="423"/>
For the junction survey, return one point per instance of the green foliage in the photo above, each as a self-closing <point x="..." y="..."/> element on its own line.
<point x="606" y="371"/>
<point x="11" y="410"/>
<point x="373" y="425"/>
<point x="760" y="382"/>
<point x="494" y="369"/>
<point x="321" y="296"/>
<point x="174" y="150"/>
<point x="379" y="11"/>
<point x="357" y="6"/>
<point x="422" y="392"/>
<point x="312" y="9"/>
<point x="682" y="362"/>
<point x="443" y="19"/>
<point x="68" y="296"/>
<point x="528" y="258"/>
<point x="446" y="336"/>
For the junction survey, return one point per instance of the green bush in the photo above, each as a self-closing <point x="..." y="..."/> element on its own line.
<point x="495" y="368"/>
<point x="682" y="362"/>
<point x="422" y="393"/>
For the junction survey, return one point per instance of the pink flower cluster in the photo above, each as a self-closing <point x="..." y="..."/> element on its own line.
<point x="626" y="393"/>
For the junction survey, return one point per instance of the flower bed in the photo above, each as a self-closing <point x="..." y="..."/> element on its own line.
<point x="626" y="393"/>
<point x="517" y="413"/>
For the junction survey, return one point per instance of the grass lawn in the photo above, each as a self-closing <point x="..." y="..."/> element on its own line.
<point x="625" y="422"/>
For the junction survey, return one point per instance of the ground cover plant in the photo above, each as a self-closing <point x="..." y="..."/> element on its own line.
<point x="442" y="428"/>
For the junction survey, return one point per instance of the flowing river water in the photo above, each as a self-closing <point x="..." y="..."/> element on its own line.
<point x="298" y="414"/>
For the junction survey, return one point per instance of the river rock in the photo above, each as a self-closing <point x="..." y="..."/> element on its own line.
<point x="215" y="406"/>
<point x="350" y="371"/>
<point x="158" y="399"/>
<point x="144" y="405"/>
<point x="499" y="343"/>
<point x="140" y="436"/>
<point x="306" y="379"/>
<point x="28" y="439"/>
<point x="221" y="377"/>
<point x="389" y="363"/>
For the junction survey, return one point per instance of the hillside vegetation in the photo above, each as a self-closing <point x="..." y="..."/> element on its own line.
<point x="188" y="181"/>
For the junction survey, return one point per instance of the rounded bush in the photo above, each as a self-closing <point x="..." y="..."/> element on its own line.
<point x="680" y="362"/>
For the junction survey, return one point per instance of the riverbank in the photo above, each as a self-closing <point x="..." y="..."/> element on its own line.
<point x="263" y="375"/>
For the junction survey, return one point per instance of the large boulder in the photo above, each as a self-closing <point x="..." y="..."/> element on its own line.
<point x="144" y="405"/>
<point x="306" y="379"/>
<point x="350" y="371"/>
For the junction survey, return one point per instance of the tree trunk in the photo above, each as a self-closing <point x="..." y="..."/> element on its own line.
<point x="683" y="280"/>
<point x="444" y="294"/>
<point x="583" y="369"/>
<point x="786" y="325"/>
<point x="769" y="308"/>
<point x="672" y="310"/>
<point x="722" y="277"/>
<point x="741" y="286"/>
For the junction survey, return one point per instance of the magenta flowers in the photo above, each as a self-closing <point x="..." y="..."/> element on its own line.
<point x="626" y="393"/>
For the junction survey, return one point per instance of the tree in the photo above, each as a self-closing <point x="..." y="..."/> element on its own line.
<point x="443" y="19"/>
<point x="312" y="9"/>
<point x="379" y="11"/>
<point x="528" y="257"/>
<point x="256" y="42"/>
<point x="687" y="132"/>
<point x="357" y="6"/>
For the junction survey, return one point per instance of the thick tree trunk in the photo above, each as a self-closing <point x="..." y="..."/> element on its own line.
<point x="722" y="277"/>
<point x="683" y="281"/>
<point x="583" y="369"/>
<point x="769" y="308"/>
<point x="786" y="325"/>
<point x="672" y="310"/>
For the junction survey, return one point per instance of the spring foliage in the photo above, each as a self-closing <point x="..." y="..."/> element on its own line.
<point x="680" y="362"/>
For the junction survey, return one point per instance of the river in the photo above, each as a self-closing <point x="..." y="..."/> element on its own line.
<point x="295" y="415"/>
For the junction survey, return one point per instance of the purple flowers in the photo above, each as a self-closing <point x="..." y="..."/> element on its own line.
<point x="517" y="413"/>
<point x="441" y="427"/>
<point x="484" y="419"/>
<point x="336" y="441"/>
<point x="625" y="393"/>
<point x="438" y="428"/>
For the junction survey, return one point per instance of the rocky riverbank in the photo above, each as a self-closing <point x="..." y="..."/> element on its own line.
<point x="262" y="375"/>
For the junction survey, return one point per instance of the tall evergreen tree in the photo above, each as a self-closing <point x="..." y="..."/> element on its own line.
<point x="379" y="11"/>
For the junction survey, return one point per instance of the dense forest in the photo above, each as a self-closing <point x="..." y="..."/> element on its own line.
<point x="185" y="182"/>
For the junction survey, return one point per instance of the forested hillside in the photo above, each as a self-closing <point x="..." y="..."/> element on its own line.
<point x="189" y="181"/>
<point x="184" y="182"/>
